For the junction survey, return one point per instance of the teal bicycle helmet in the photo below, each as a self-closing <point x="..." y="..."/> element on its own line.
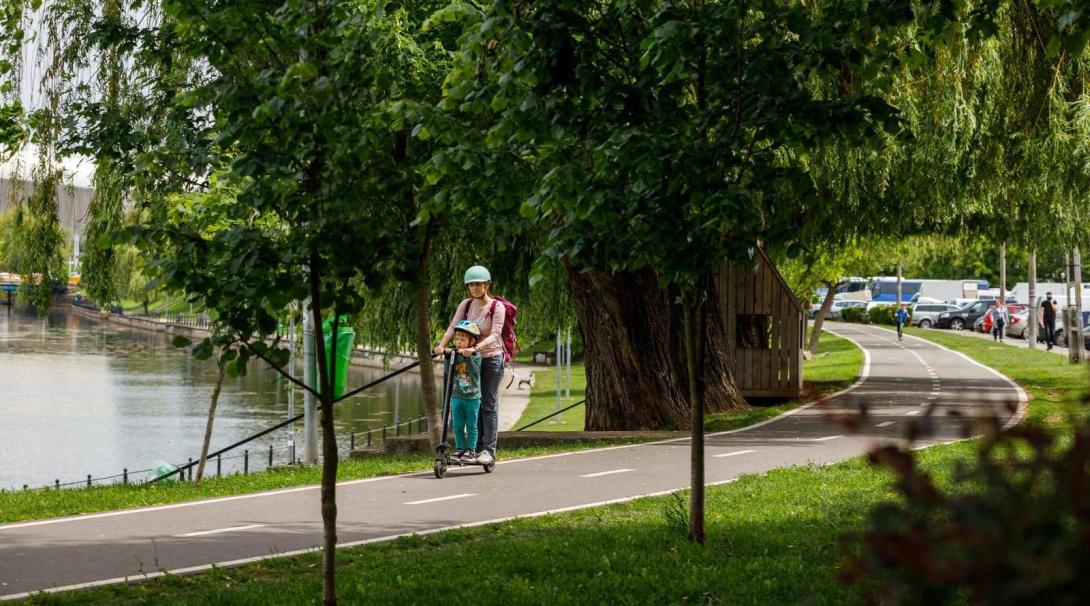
<point x="477" y="274"/>
<point x="469" y="327"/>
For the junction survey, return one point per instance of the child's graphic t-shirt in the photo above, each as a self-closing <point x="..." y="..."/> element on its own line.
<point x="467" y="376"/>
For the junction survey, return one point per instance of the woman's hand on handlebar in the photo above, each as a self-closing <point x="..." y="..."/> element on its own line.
<point x="440" y="350"/>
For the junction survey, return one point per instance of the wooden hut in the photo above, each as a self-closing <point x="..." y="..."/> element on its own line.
<point x="765" y="328"/>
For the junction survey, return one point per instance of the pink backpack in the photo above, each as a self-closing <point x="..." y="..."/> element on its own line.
<point x="507" y="333"/>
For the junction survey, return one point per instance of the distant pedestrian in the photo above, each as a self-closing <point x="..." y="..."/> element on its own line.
<point x="1046" y="319"/>
<point x="999" y="317"/>
<point x="901" y="317"/>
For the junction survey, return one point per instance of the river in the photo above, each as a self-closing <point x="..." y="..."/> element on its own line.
<point x="82" y="397"/>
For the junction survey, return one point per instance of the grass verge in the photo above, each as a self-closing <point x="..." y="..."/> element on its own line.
<point x="773" y="539"/>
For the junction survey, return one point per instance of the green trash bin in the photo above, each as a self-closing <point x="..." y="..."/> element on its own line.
<point x="346" y="342"/>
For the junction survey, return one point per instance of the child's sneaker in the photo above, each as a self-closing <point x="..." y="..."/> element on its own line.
<point x="468" y="456"/>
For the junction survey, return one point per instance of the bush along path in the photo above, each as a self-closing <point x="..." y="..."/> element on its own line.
<point x="195" y="536"/>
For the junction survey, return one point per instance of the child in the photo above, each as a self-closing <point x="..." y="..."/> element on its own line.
<point x="465" y="400"/>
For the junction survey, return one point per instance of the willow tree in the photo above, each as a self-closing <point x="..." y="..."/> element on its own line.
<point x="997" y="113"/>
<point x="662" y="140"/>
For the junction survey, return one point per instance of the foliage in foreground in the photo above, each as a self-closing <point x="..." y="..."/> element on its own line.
<point x="1012" y="524"/>
<point x="1020" y="535"/>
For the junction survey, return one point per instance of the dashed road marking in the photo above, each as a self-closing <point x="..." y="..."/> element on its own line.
<point x="606" y="473"/>
<point x="437" y="499"/>
<point x="912" y="413"/>
<point x="884" y="424"/>
<point x="219" y="530"/>
<point x="827" y="438"/>
<point x="735" y="453"/>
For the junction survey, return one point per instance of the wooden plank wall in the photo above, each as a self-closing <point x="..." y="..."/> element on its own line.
<point x="776" y="369"/>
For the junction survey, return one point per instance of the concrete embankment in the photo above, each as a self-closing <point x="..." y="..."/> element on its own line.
<point x="360" y="357"/>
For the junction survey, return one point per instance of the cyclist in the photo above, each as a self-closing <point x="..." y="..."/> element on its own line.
<point x="901" y="317"/>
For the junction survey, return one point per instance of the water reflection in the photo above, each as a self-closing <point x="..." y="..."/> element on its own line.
<point x="80" y="397"/>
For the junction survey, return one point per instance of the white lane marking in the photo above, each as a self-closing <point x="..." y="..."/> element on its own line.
<point x="884" y="424"/>
<point x="605" y="473"/>
<point x="219" y="530"/>
<point x="437" y="499"/>
<point x="731" y="454"/>
<point x="827" y="438"/>
<point x="912" y="413"/>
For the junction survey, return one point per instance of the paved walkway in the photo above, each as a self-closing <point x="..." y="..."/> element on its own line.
<point x="514" y="398"/>
<point x="914" y="382"/>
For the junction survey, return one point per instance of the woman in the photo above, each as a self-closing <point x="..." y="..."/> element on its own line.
<point x="489" y="315"/>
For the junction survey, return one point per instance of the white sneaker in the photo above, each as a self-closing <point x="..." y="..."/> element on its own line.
<point x="485" y="458"/>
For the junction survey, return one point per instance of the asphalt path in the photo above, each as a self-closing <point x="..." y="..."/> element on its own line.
<point x="905" y="383"/>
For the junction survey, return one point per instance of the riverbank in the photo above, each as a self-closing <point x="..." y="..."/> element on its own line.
<point x="772" y="539"/>
<point x="360" y="357"/>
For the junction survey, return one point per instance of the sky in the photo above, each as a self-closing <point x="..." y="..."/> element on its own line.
<point x="78" y="170"/>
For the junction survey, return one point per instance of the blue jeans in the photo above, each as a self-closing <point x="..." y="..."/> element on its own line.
<point x="464" y="412"/>
<point x="489" y="420"/>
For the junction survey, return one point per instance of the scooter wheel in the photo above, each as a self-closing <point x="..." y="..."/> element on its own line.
<point x="440" y="469"/>
<point x="488" y="468"/>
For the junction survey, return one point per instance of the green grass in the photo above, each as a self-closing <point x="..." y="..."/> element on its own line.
<point x="772" y="539"/>
<point x="543" y="400"/>
<point x="40" y="504"/>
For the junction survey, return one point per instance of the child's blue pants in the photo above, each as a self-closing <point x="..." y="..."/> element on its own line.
<point x="464" y="413"/>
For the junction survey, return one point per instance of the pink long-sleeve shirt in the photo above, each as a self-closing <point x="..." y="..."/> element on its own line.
<point x="491" y="344"/>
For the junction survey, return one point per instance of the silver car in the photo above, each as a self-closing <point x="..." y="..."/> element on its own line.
<point x="842" y="304"/>
<point x="924" y="314"/>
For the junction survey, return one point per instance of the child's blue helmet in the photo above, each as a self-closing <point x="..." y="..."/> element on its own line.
<point x="469" y="327"/>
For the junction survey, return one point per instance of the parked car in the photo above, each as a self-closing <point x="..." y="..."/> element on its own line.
<point x="983" y="324"/>
<point x="839" y="306"/>
<point x="964" y="317"/>
<point x="1019" y="321"/>
<point x="925" y="315"/>
<point x="1061" y="338"/>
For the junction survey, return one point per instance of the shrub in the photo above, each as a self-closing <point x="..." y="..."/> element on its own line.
<point x="884" y="314"/>
<point x="854" y="314"/>
<point x="1017" y="531"/>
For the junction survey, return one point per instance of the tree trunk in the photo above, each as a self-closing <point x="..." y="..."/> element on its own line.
<point x="694" y="313"/>
<point x="634" y="344"/>
<point x="211" y="419"/>
<point x="329" y="442"/>
<point x="819" y="318"/>
<point x="423" y="344"/>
